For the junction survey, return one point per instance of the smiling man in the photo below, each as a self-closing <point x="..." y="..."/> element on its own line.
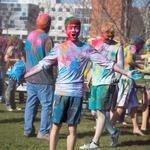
<point x="72" y="57"/>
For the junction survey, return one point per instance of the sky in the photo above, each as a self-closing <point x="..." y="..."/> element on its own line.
<point x="140" y="3"/>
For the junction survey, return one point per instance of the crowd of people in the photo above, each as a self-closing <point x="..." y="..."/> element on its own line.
<point x="56" y="75"/>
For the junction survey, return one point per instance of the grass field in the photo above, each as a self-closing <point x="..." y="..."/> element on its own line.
<point x="11" y="134"/>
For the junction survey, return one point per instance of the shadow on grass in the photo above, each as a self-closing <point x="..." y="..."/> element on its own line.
<point x="79" y="135"/>
<point x="125" y="132"/>
<point x="138" y="142"/>
<point x="85" y="134"/>
<point x="15" y="120"/>
<point x="2" y="111"/>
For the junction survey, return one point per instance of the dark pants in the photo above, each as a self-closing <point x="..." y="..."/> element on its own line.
<point x="10" y="93"/>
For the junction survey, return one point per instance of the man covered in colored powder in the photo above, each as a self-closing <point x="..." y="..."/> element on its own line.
<point x="102" y="83"/>
<point x="146" y="72"/>
<point x="40" y="87"/>
<point x="72" y="57"/>
<point x="127" y="98"/>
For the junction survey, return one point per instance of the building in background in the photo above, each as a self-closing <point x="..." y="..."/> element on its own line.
<point x="18" y="16"/>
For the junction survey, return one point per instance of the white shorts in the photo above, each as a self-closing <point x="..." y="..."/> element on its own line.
<point x="127" y="94"/>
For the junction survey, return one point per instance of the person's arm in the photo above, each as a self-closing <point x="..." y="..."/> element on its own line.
<point x="88" y="82"/>
<point x="45" y="63"/>
<point x="120" y="56"/>
<point x="118" y="68"/>
<point x="33" y="71"/>
<point x="8" y="59"/>
<point x="102" y="60"/>
<point x="98" y="57"/>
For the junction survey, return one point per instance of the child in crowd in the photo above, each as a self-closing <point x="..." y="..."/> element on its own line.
<point x="12" y="55"/>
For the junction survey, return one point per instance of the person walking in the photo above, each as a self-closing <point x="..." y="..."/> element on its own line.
<point x="102" y="86"/>
<point x="12" y="55"/>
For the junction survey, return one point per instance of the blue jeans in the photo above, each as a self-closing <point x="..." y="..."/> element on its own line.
<point x="36" y="93"/>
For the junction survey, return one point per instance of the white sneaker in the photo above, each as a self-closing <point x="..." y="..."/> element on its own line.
<point x="9" y="108"/>
<point x="18" y="108"/>
<point x="91" y="145"/>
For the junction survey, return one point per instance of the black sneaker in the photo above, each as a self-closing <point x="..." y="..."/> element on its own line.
<point x="115" y="138"/>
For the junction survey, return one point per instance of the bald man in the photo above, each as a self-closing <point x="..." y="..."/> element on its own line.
<point x="40" y="87"/>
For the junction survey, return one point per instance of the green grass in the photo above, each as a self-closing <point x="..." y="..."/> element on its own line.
<point x="11" y="134"/>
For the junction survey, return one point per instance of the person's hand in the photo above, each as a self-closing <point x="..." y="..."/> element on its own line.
<point x="34" y="70"/>
<point x="26" y="75"/>
<point x="129" y="74"/>
<point x="135" y="74"/>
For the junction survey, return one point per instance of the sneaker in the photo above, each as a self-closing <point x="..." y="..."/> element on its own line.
<point x="9" y="108"/>
<point x="124" y="123"/>
<point x="32" y="134"/>
<point x="43" y="137"/>
<point x="91" y="145"/>
<point x="114" y="138"/>
<point x="18" y="108"/>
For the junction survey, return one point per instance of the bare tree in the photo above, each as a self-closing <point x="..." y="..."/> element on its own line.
<point x="146" y="18"/>
<point x="104" y="11"/>
<point x="129" y="17"/>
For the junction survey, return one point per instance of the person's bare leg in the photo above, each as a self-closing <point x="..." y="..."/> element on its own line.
<point x="71" y="138"/>
<point x="133" y="115"/>
<point x="54" y="135"/>
<point x="100" y="122"/>
<point x="116" y="115"/>
<point x="145" y="113"/>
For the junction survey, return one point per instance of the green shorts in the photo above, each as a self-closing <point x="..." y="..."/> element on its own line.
<point x="99" y="97"/>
